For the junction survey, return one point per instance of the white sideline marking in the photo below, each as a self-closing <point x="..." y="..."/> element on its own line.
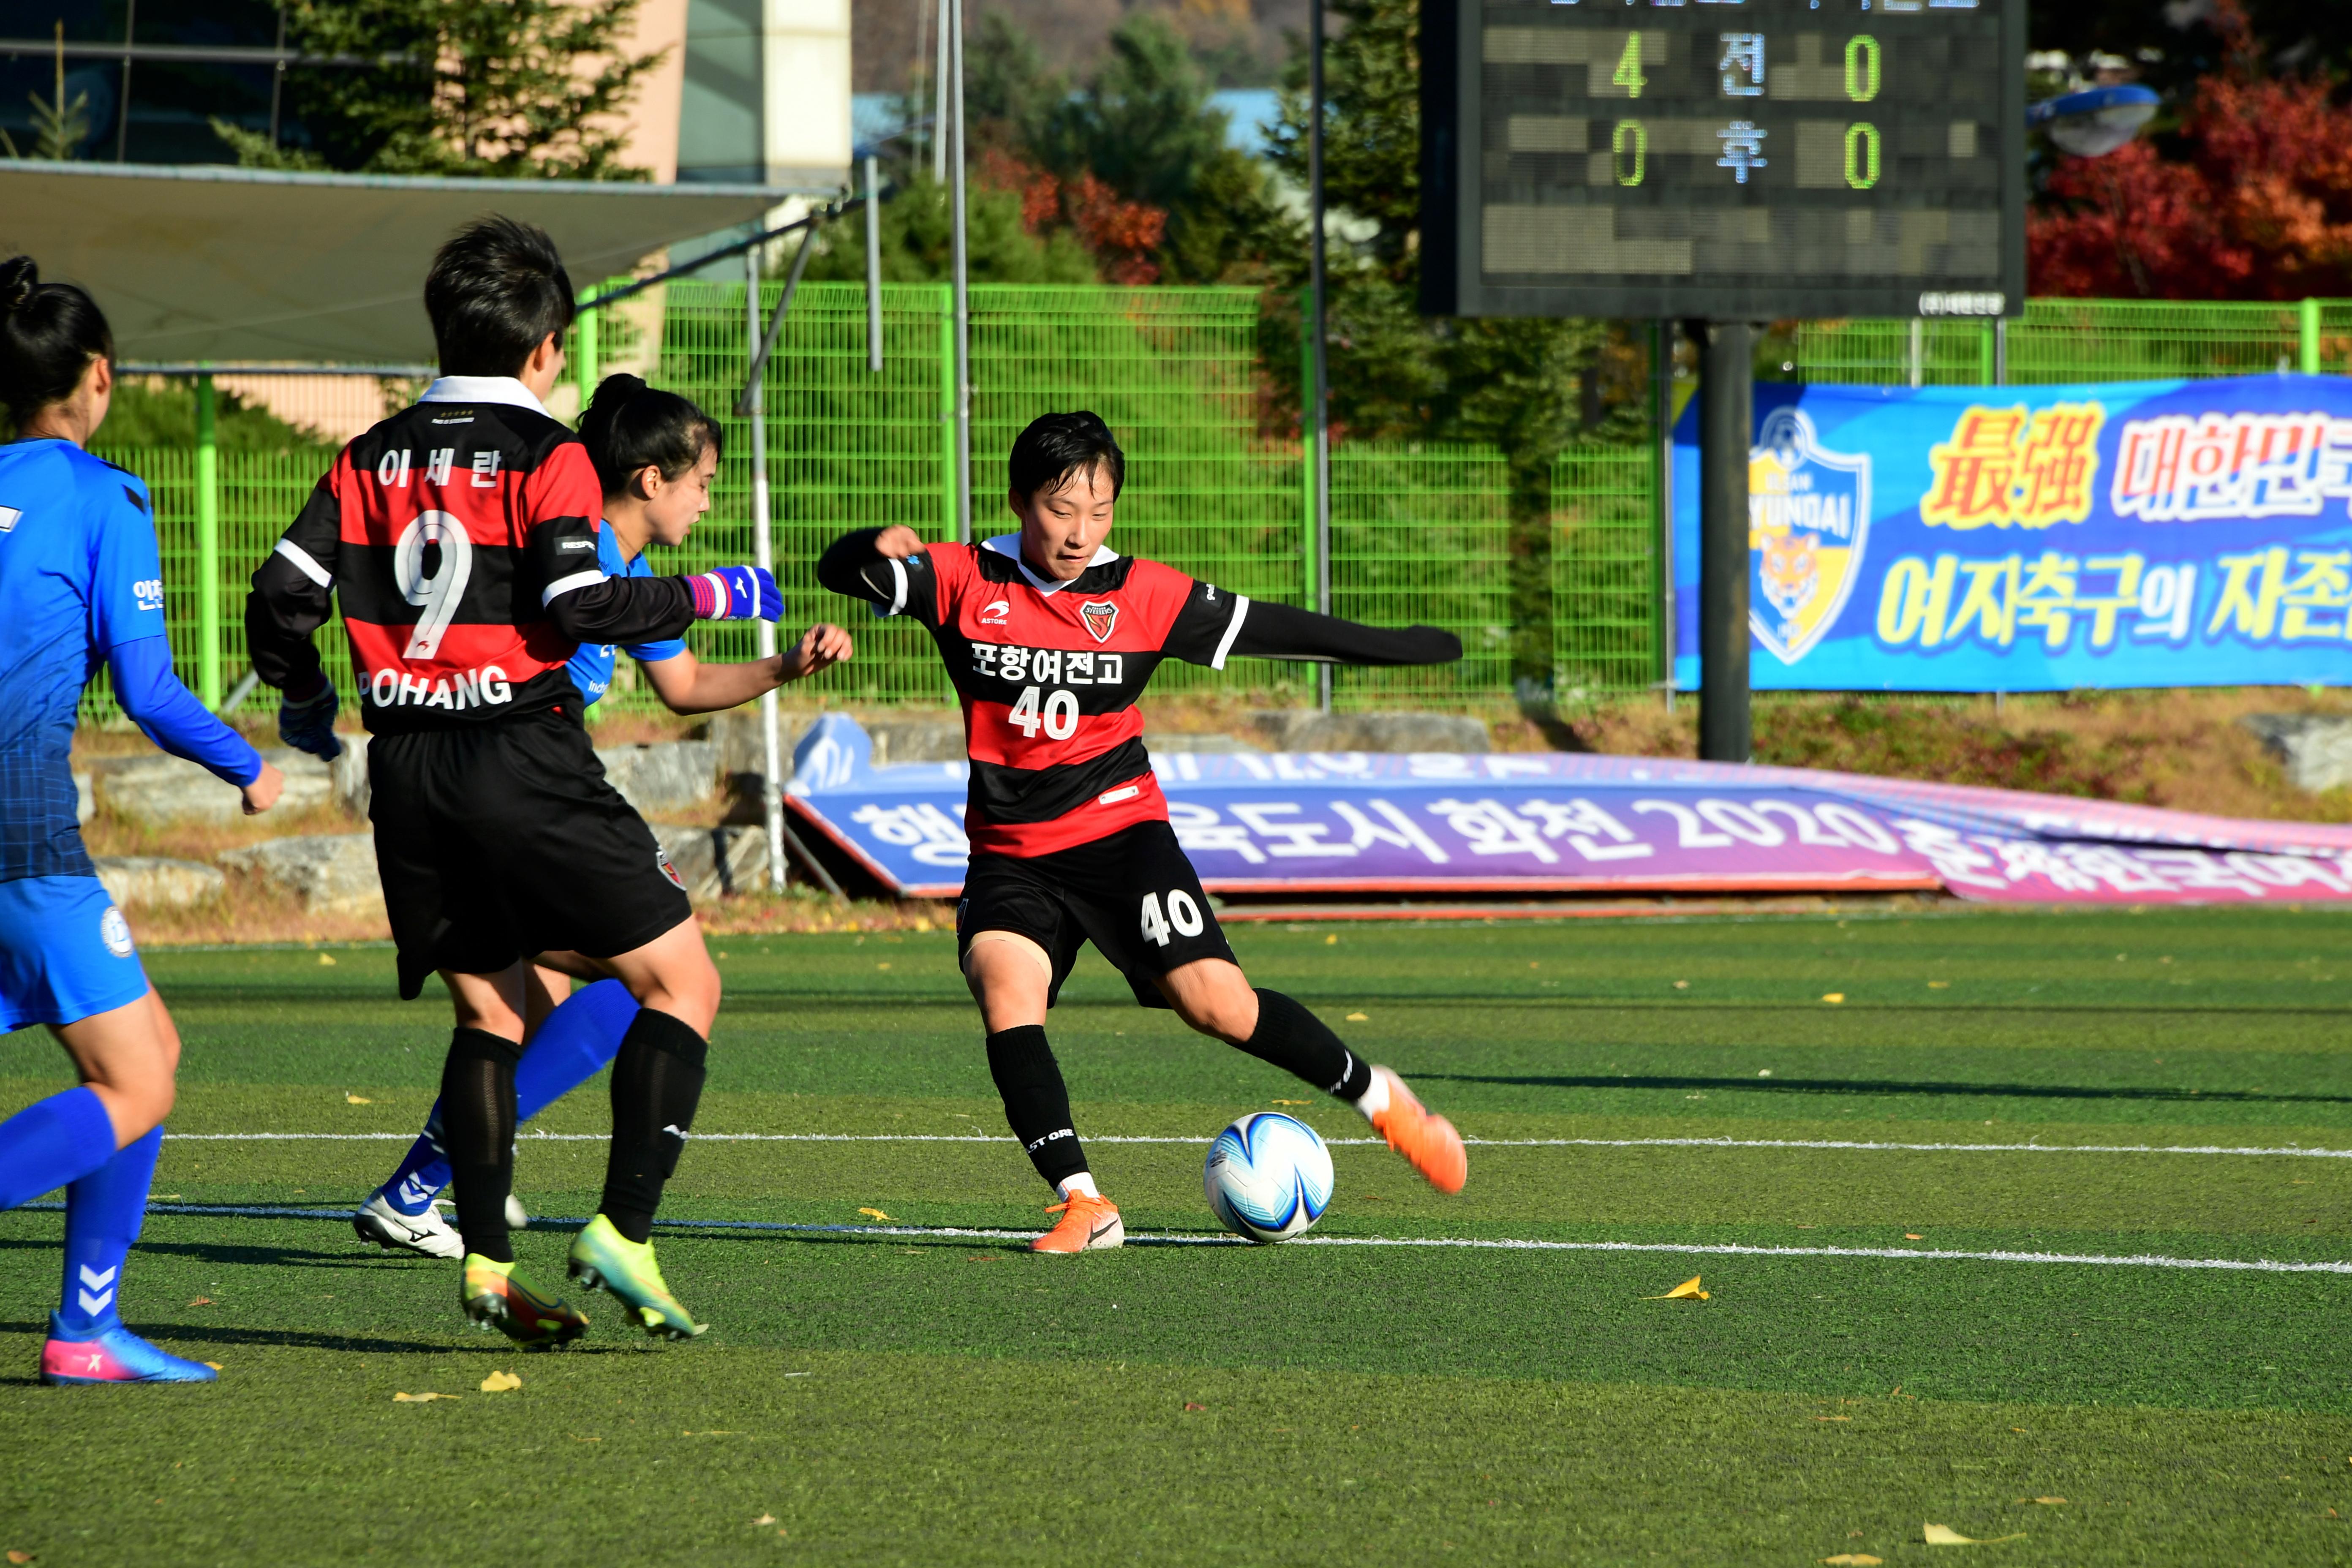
<point x="1337" y="1142"/>
<point x="1473" y="1244"/>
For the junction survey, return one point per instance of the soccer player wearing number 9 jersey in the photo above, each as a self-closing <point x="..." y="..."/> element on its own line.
<point x="1050" y="636"/>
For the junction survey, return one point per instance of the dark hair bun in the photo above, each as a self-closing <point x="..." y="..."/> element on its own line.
<point x="19" y="276"/>
<point x="49" y="333"/>
<point x="630" y="426"/>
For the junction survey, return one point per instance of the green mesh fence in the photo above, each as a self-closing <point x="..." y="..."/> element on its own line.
<point x="1606" y="587"/>
<point x="1418" y="533"/>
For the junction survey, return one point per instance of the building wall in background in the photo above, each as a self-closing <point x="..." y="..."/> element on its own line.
<point x="719" y="110"/>
<point x="805" y="60"/>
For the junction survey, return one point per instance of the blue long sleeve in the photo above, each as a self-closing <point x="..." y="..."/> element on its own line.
<point x="171" y="717"/>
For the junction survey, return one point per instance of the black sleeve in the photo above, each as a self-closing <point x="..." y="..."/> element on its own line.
<point x="1215" y="626"/>
<point x="293" y="594"/>
<point x="853" y="568"/>
<point x="624" y="610"/>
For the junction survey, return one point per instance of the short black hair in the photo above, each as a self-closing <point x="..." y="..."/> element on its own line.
<point x="1056" y="446"/>
<point x="630" y="426"/>
<point x="49" y="334"/>
<point x="496" y="290"/>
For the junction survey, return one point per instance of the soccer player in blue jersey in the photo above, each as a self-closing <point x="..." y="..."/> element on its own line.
<point x="656" y="454"/>
<point x="81" y="584"/>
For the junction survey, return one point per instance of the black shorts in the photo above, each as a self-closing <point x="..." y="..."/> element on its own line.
<point x="1133" y="895"/>
<point x="500" y="840"/>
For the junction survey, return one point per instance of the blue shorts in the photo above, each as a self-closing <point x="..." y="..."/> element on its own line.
<point x="66" y="953"/>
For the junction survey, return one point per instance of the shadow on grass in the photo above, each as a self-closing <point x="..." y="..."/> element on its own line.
<point x="1844" y="1085"/>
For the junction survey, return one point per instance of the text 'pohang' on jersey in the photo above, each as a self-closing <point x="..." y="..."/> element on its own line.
<point x="460" y="536"/>
<point x="1048" y="673"/>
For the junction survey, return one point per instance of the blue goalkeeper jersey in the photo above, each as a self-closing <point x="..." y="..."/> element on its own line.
<point x="591" y="667"/>
<point x="78" y="574"/>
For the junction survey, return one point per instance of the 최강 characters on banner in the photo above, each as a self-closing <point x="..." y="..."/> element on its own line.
<point x="2027" y="538"/>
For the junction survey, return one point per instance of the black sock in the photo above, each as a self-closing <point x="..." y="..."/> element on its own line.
<point x="1037" y="1101"/>
<point x="1302" y="1045"/>
<point x="478" y="1131"/>
<point x="656" y="1083"/>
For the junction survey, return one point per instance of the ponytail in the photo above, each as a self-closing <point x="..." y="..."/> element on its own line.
<point x="49" y="334"/>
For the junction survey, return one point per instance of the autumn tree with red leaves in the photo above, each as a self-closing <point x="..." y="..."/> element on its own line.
<point x="2250" y="199"/>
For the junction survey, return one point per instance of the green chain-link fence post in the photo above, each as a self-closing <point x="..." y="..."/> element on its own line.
<point x="208" y="570"/>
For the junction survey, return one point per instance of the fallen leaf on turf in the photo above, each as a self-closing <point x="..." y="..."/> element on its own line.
<point x="1833" y="997"/>
<point x="1682" y="984"/>
<point x="765" y="1518"/>
<point x="881" y="966"/>
<point x="1360" y="1017"/>
<point x="1832" y="1417"/>
<point x="1944" y="1535"/>
<point x="326" y="961"/>
<point x="1330" y="942"/>
<point x="1190" y="1406"/>
<point x="1913" y="1236"/>
<point x="1939" y="986"/>
<point x="1856" y="1558"/>
<point x="202" y="1302"/>
<point x="1688" y="1291"/>
<point x="419" y="1399"/>
<point x="875" y="1214"/>
<point x="357" y="1100"/>
<point x="1294" y="1102"/>
<point x="20" y="1557"/>
<point x="500" y="1382"/>
<point x="2045" y="1501"/>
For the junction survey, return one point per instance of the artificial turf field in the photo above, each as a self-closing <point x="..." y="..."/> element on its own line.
<point x="896" y="1395"/>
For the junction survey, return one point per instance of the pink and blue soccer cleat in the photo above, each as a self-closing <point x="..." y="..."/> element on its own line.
<point x="113" y="1354"/>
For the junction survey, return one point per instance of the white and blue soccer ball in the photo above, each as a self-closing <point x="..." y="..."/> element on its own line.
<point x="1269" y="1176"/>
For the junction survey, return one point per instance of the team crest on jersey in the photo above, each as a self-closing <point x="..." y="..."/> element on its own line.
<point x="1100" y="618"/>
<point x="661" y="858"/>
<point x="1807" y="524"/>
<point x="115" y="931"/>
<point x="8" y="516"/>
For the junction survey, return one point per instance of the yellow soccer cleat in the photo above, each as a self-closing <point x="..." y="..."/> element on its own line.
<point x="497" y="1297"/>
<point x="1088" y="1224"/>
<point x="604" y="1260"/>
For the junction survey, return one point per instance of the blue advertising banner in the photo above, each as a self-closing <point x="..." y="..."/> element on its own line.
<point x="2039" y="538"/>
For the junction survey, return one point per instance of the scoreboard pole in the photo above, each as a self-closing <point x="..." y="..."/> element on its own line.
<point x="1727" y="417"/>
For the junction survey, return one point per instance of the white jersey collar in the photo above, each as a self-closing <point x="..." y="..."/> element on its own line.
<point x="482" y="389"/>
<point x="1009" y="546"/>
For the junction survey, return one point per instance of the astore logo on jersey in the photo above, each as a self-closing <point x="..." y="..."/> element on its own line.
<point x="995" y="614"/>
<point x="1100" y="619"/>
<point x="467" y="688"/>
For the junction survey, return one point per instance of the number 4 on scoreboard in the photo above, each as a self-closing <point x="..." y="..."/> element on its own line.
<point x="1629" y="68"/>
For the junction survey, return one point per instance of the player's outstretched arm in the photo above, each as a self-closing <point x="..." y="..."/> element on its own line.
<point x="886" y="567"/>
<point x="687" y="685"/>
<point x="1213" y="626"/>
<point x="170" y="715"/>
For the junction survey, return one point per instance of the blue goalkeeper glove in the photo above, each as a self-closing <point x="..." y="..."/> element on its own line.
<point x="736" y="594"/>
<point x="308" y="723"/>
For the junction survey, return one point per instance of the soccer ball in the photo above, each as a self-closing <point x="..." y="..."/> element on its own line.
<point x="1269" y="1176"/>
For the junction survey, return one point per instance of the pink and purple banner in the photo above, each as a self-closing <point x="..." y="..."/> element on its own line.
<point x="1542" y="823"/>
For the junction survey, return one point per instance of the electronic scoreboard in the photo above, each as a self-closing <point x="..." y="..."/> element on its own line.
<point x="1730" y="160"/>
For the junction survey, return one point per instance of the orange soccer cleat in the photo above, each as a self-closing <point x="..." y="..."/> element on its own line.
<point x="1088" y="1224"/>
<point x="1425" y="1139"/>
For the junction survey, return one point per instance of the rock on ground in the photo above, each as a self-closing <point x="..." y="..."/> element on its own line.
<point x="2316" y="749"/>
<point x="332" y="873"/>
<point x="153" y="881"/>
<point x="673" y="775"/>
<point x="159" y="791"/>
<point x="1304" y="729"/>
<point x="714" y="862"/>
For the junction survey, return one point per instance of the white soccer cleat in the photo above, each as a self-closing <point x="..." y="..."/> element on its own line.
<point x="518" y="1218"/>
<point x="427" y="1234"/>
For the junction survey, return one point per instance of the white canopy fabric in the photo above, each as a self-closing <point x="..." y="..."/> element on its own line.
<point x="205" y="262"/>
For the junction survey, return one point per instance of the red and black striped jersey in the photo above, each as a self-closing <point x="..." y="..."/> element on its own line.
<point x="460" y="537"/>
<point x="1049" y="672"/>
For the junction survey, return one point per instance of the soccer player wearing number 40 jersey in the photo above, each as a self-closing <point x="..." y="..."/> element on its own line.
<point x="461" y="537"/>
<point x="1050" y="636"/>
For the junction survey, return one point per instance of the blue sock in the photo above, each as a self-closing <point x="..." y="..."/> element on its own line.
<point x="55" y="1141"/>
<point x="103" y="1211"/>
<point x="575" y="1043"/>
